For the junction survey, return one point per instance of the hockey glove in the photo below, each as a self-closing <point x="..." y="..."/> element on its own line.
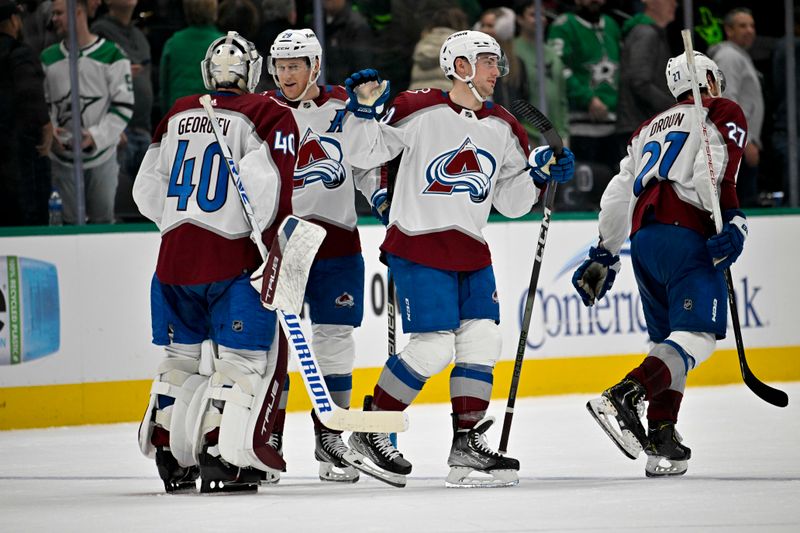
<point x="380" y="206"/>
<point x="726" y="247"/>
<point x="596" y="275"/>
<point x="547" y="167"/>
<point x="367" y="93"/>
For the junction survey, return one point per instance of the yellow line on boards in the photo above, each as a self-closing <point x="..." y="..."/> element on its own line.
<point x="125" y="401"/>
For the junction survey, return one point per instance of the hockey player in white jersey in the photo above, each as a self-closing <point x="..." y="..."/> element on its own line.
<point x="461" y="155"/>
<point x="324" y="192"/>
<point x="661" y="199"/>
<point x="215" y="426"/>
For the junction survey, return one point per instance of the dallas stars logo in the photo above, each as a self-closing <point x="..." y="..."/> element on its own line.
<point x="603" y="71"/>
<point x="64" y="107"/>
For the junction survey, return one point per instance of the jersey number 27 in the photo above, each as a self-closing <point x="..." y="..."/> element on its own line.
<point x="674" y="142"/>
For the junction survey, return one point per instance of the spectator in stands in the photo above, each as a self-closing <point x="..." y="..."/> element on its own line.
<point x="106" y="99"/>
<point x="743" y="86"/>
<point x="426" y="71"/>
<point x="643" y="90"/>
<point x="588" y="43"/>
<point x="24" y="168"/>
<point x="500" y="23"/>
<point x="348" y="41"/>
<point x="241" y="16"/>
<point x="276" y="16"/>
<point x="180" y="73"/>
<point x="555" y="86"/>
<point x="117" y="26"/>
<point x="780" y="135"/>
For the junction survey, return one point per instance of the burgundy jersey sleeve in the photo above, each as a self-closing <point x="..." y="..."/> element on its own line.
<point x="729" y="119"/>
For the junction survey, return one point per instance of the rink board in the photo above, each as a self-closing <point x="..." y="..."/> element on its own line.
<point x="102" y="367"/>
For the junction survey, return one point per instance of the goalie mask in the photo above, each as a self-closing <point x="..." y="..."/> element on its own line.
<point x="679" y="80"/>
<point x="232" y="62"/>
<point x="295" y="44"/>
<point x="469" y="44"/>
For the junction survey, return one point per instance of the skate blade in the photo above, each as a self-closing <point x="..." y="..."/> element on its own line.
<point x="270" y="478"/>
<point x="359" y="462"/>
<point x="331" y="473"/>
<point x="658" y="466"/>
<point x="218" y="487"/>
<point x="464" y="477"/>
<point x="184" y="487"/>
<point x="601" y="409"/>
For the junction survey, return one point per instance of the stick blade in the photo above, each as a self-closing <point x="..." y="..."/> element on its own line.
<point x="769" y="394"/>
<point x="366" y="421"/>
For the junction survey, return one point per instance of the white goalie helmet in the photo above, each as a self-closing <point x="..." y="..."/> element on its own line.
<point x="678" y="77"/>
<point x="231" y="62"/>
<point x="293" y="44"/>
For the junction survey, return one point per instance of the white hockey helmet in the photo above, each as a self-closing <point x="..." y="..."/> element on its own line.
<point x="469" y="44"/>
<point x="231" y="62"/>
<point x="292" y="44"/>
<point x="679" y="80"/>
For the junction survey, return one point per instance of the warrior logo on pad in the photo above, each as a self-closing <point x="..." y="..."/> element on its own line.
<point x="319" y="159"/>
<point x="467" y="169"/>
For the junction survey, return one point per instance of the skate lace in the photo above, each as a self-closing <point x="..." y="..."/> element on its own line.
<point x="333" y="444"/>
<point x="382" y="443"/>
<point x="480" y="444"/>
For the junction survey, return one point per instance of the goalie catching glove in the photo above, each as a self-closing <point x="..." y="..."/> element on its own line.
<point x="367" y="93"/>
<point x="596" y="275"/>
<point x="546" y="166"/>
<point x="281" y="279"/>
<point x="726" y="246"/>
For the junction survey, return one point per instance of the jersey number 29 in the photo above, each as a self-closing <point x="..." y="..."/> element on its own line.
<point x="674" y="142"/>
<point x="181" y="178"/>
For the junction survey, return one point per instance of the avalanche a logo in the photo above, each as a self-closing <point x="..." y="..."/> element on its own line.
<point x="319" y="159"/>
<point x="466" y="169"/>
<point x="345" y="300"/>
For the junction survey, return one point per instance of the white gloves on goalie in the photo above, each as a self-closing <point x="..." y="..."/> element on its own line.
<point x="281" y="279"/>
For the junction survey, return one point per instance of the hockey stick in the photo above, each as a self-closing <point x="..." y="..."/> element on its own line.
<point x="329" y="413"/>
<point x="761" y="389"/>
<point x="541" y="123"/>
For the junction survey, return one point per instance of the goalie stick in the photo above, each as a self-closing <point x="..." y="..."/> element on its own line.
<point x="545" y="127"/>
<point x="762" y="390"/>
<point x="330" y="415"/>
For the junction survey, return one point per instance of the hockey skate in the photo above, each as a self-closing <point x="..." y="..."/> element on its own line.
<point x="388" y="464"/>
<point x="272" y="478"/>
<point x="329" y="451"/>
<point x="176" y="478"/>
<point x="666" y="456"/>
<point x="624" y="404"/>
<point x="217" y="475"/>
<point x="470" y="454"/>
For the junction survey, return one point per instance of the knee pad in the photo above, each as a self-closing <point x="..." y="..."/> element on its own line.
<point x="242" y="400"/>
<point x="697" y="346"/>
<point x="174" y="402"/>
<point x="429" y="353"/>
<point x="478" y="342"/>
<point x="334" y="347"/>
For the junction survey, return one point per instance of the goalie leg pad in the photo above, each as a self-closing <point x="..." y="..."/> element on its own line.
<point x="176" y="385"/>
<point x="247" y="386"/>
<point x="281" y="279"/>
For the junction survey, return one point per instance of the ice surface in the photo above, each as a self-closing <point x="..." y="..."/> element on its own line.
<point x="744" y="475"/>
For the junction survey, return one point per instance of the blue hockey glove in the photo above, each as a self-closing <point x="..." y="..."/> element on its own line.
<point x="545" y="167"/>
<point x="596" y="275"/>
<point x="380" y="206"/>
<point x="366" y="99"/>
<point x="726" y="247"/>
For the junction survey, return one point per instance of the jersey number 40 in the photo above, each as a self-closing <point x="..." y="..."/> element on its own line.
<point x="181" y="178"/>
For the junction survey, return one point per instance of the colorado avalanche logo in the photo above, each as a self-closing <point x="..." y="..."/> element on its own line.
<point x="345" y="300"/>
<point x="466" y="169"/>
<point x="319" y="159"/>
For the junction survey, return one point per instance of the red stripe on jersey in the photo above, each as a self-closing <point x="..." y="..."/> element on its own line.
<point x="446" y="250"/>
<point x="191" y="255"/>
<point x="339" y="242"/>
<point x="659" y="198"/>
